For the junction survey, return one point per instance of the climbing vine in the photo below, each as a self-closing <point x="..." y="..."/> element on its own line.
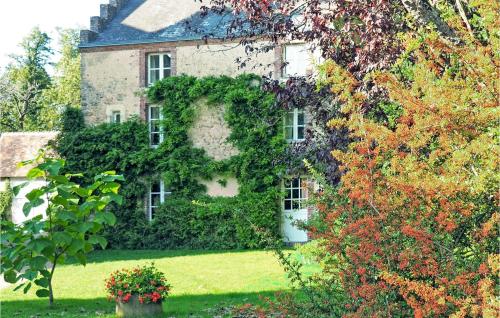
<point x="6" y="197"/>
<point x="255" y="121"/>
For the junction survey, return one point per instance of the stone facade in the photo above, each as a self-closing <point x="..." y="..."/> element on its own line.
<point x="110" y="82"/>
<point x="113" y="78"/>
<point x="210" y="131"/>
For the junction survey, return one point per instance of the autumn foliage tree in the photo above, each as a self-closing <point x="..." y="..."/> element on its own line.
<point x="419" y="216"/>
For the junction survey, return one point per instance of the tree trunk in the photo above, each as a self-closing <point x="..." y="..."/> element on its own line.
<point x="51" y="292"/>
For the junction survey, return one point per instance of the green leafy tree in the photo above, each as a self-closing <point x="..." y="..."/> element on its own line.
<point x="75" y="215"/>
<point x="65" y="90"/>
<point x="22" y="84"/>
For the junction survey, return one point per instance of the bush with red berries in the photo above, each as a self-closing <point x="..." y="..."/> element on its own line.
<point x="145" y="282"/>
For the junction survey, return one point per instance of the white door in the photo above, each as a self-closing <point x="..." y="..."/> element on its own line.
<point x="294" y="209"/>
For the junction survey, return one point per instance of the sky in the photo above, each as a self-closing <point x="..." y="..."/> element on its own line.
<point x="18" y="17"/>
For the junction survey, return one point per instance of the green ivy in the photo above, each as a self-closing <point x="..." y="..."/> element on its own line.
<point x="255" y="122"/>
<point x="6" y="202"/>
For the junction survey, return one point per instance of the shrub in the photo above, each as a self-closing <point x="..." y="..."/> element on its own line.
<point x="212" y="223"/>
<point x="146" y="282"/>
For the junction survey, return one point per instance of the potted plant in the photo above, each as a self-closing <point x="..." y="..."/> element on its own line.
<point x="138" y="292"/>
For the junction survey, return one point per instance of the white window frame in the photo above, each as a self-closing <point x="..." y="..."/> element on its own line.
<point x="150" y="125"/>
<point x="161" y="67"/>
<point x="286" y="60"/>
<point x="114" y="115"/>
<point x="163" y="194"/>
<point x="295" y="125"/>
<point x="303" y="193"/>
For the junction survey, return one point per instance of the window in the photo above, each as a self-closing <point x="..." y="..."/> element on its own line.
<point x="296" y="194"/>
<point x="115" y="117"/>
<point x="157" y="196"/>
<point x="155" y="130"/>
<point x="294" y="124"/>
<point x="297" y="59"/>
<point x="159" y="67"/>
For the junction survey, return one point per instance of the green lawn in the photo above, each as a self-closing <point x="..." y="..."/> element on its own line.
<point x="201" y="281"/>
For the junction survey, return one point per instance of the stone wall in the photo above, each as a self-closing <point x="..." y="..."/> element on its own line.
<point x="210" y="131"/>
<point x="110" y="82"/>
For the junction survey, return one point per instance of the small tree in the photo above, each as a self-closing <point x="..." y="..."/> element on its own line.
<point x="74" y="217"/>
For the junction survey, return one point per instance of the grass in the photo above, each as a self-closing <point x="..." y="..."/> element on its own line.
<point x="201" y="280"/>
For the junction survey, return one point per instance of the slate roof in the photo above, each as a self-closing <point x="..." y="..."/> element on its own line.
<point x="16" y="147"/>
<point x="117" y="31"/>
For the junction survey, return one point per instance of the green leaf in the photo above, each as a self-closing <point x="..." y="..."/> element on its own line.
<point x="39" y="244"/>
<point x="59" y="179"/>
<point x="52" y="166"/>
<point x="10" y="277"/>
<point x="36" y="202"/>
<point x="76" y="245"/>
<point x="19" y="287"/>
<point x="67" y="216"/>
<point x="28" y="286"/>
<point x="34" y="194"/>
<point x="18" y="188"/>
<point x="38" y="262"/>
<point x="27" y="208"/>
<point x="116" y="198"/>
<point x="35" y="173"/>
<point x="84" y="227"/>
<point x="97" y="239"/>
<point x="42" y="293"/>
<point x="87" y="206"/>
<point x="42" y="282"/>
<point x="83" y="192"/>
<point x="110" y="218"/>
<point x="62" y="238"/>
<point x="110" y="187"/>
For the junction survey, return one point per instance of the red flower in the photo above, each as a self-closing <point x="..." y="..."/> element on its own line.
<point x="141" y="300"/>
<point x="120" y="293"/>
<point x="155" y="297"/>
<point x="127" y="298"/>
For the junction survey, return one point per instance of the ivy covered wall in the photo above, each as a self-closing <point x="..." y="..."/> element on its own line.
<point x="189" y="218"/>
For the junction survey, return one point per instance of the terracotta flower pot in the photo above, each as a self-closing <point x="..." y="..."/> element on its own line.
<point x="133" y="308"/>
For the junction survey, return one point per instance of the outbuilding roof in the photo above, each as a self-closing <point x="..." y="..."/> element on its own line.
<point x="125" y="22"/>
<point x="16" y="147"/>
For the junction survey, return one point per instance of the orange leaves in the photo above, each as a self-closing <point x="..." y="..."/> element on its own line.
<point x="421" y="211"/>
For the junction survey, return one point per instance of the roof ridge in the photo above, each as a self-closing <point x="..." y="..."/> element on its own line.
<point x="28" y="132"/>
<point x="98" y="23"/>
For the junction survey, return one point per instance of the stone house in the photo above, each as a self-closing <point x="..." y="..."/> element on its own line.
<point x="134" y="43"/>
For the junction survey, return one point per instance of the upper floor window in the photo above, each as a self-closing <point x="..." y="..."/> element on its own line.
<point x="115" y="117"/>
<point x="297" y="60"/>
<point x="159" y="67"/>
<point x="157" y="196"/>
<point x="154" y="123"/>
<point x="295" y="194"/>
<point x="295" y="124"/>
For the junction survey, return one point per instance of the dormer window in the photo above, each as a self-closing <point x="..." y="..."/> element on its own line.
<point x="159" y="67"/>
<point x="294" y="125"/>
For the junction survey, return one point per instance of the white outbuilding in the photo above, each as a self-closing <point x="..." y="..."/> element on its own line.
<point x="16" y="147"/>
